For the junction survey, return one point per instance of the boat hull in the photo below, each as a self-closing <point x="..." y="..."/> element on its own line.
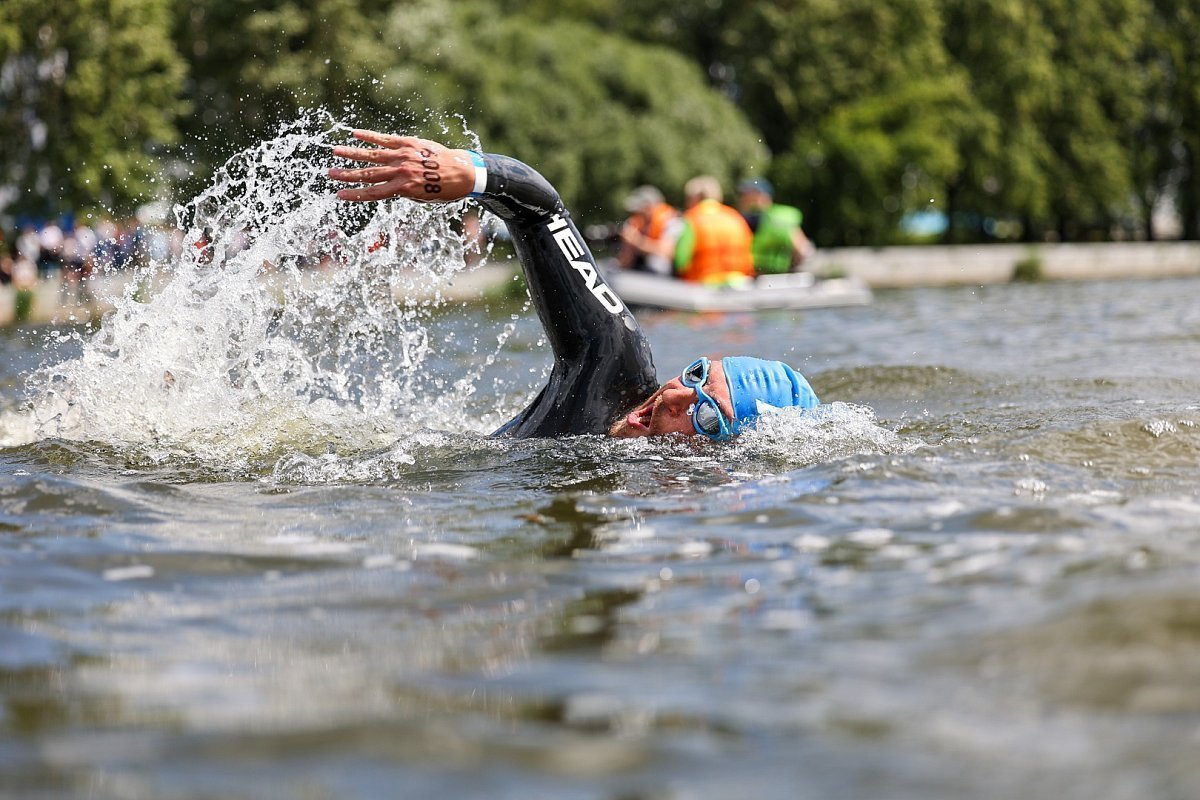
<point x="767" y="292"/>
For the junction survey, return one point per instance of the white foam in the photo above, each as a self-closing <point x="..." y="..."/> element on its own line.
<point x="130" y="573"/>
<point x="827" y="432"/>
<point x="445" y="551"/>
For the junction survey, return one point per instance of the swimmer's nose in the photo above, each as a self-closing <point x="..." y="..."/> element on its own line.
<point x="678" y="400"/>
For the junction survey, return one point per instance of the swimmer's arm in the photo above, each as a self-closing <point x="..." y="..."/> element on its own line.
<point x="404" y="166"/>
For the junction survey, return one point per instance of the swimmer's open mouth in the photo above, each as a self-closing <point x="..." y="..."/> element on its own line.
<point x="639" y="418"/>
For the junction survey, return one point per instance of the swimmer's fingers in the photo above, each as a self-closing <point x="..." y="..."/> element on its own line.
<point x="372" y="156"/>
<point x="389" y="140"/>
<point x="365" y="174"/>
<point x="380" y="191"/>
<point x="394" y="149"/>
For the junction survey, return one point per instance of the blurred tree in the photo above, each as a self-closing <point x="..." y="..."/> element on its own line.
<point x="89" y="95"/>
<point x="864" y="127"/>
<point x="595" y="112"/>
<point x="856" y="99"/>
<point x="699" y="31"/>
<point x="255" y="63"/>
<point x="1094" y="110"/>
<point x="1070" y="115"/>
<point x="1167" y="152"/>
<point x="1042" y="128"/>
<point x="1009" y="54"/>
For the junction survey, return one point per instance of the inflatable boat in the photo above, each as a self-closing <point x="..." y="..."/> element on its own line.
<point x="767" y="292"/>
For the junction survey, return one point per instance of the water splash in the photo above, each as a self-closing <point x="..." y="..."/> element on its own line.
<point x="797" y="437"/>
<point x="289" y="321"/>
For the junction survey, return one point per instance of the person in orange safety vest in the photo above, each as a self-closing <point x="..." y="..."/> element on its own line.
<point x="645" y="245"/>
<point x="714" y="243"/>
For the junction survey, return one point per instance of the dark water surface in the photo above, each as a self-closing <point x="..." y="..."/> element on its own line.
<point x="973" y="574"/>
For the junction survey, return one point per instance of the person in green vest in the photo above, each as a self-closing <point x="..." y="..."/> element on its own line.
<point x="779" y="242"/>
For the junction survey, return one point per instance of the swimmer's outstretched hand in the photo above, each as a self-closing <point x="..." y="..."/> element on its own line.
<point x="405" y="166"/>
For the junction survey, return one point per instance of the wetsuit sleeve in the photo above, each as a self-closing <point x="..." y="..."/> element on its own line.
<point x="572" y="302"/>
<point x="602" y="362"/>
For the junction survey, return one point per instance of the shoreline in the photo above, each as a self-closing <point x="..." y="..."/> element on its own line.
<point x="50" y="303"/>
<point x="879" y="268"/>
<point x="978" y="265"/>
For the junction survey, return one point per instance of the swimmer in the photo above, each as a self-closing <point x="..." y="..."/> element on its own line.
<point x="603" y="380"/>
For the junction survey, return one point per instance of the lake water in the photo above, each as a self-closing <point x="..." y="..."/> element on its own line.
<point x="256" y="551"/>
<point x="987" y="589"/>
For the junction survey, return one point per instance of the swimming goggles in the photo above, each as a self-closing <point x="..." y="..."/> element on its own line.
<point x="707" y="418"/>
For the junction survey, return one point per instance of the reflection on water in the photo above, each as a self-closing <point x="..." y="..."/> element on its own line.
<point x="970" y="574"/>
<point x="986" y="590"/>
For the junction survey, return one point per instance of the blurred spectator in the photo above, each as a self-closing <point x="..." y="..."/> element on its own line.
<point x="645" y="245"/>
<point x="29" y="244"/>
<point x="779" y="242"/>
<point x="713" y="242"/>
<point x="130" y="254"/>
<point x="77" y="265"/>
<point x="24" y="274"/>
<point x="86" y="241"/>
<point x="104" y="255"/>
<point x="52" y="241"/>
<point x="77" y="252"/>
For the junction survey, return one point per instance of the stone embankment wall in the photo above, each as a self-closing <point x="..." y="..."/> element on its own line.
<point x="949" y="265"/>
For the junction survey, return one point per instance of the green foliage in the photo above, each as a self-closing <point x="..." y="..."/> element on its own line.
<point x="1028" y="269"/>
<point x="1096" y="102"/>
<point x="596" y="113"/>
<point x="1056" y="144"/>
<point x="90" y="100"/>
<point x="24" y="300"/>
<point x="1068" y="110"/>
<point x="1167" y="149"/>
<point x="256" y="63"/>
<point x="1008" y="54"/>
<point x="864" y="127"/>
<point x="1073" y="117"/>
<point x="857" y="100"/>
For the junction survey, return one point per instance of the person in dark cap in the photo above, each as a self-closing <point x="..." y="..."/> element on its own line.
<point x="603" y="380"/>
<point x="779" y="241"/>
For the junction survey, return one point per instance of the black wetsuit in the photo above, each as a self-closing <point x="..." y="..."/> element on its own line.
<point x="602" y="362"/>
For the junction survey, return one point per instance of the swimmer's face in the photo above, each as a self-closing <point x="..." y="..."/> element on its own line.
<point x="666" y="411"/>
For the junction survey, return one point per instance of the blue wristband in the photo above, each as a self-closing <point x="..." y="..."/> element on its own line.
<point x="480" y="174"/>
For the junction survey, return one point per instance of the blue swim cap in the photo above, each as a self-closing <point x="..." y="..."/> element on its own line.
<point x="755" y="380"/>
